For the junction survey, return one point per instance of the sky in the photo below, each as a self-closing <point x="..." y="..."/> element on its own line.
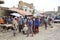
<point x="41" y="5"/>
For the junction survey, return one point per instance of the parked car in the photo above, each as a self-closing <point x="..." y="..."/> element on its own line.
<point x="57" y="19"/>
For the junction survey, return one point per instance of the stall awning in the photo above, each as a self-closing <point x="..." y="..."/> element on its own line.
<point x="20" y="11"/>
<point x="15" y="14"/>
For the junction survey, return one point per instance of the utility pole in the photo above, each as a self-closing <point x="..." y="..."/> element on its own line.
<point x="43" y="12"/>
<point x="54" y="12"/>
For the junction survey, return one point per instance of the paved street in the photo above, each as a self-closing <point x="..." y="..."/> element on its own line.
<point x="49" y="34"/>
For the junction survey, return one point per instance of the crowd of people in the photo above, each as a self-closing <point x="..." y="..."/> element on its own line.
<point x="29" y="25"/>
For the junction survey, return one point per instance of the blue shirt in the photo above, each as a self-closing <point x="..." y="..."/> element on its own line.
<point x="20" y="21"/>
<point x="30" y="22"/>
<point x="36" y="22"/>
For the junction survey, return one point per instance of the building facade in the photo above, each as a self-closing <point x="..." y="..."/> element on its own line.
<point x="58" y="12"/>
<point x="4" y="11"/>
<point x="26" y="6"/>
<point x="58" y="8"/>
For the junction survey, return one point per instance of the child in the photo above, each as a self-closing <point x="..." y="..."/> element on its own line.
<point x="25" y="29"/>
<point x="14" y="32"/>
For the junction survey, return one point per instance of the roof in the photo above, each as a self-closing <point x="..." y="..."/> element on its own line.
<point x="20" y="11"/>
<point x="1" y="2"/>
<point x="4" y="8"/>
<point x="51" y="12"/>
